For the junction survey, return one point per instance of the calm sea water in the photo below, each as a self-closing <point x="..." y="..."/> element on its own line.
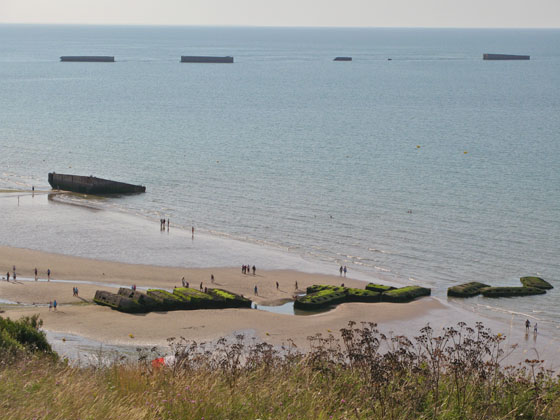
<point x="434" y="168"/>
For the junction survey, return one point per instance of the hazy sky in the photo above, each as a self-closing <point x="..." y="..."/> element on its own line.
<point x="429" y="13"/>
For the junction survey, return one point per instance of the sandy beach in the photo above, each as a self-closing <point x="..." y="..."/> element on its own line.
<point x="77" y="315"/>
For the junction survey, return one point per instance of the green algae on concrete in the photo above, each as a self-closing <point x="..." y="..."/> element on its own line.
<point x="405" y="294"/>
<point x="467" y="289"/>
<point x="379" y="287"/>
<point x="494" y="292"/>
<point x="539" y="283"/>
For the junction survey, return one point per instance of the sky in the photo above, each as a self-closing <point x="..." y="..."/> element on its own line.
<point x="349" y="13"/>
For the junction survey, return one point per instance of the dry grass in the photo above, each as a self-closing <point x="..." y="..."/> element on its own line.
<point x="455" y="375"/>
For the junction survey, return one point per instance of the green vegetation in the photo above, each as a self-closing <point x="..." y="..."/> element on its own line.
<point x="362" y="375"/>
<point x="195" y="298"/>
<point x="535" y="282"/>
<point x="23" y="336"/>
<point x="182" y="298"/>
<point x="405" y="294"/>
<point x="320" y="287"/>
<point x="167" y="301"/>
<point x="321" y="299"/>
<point x="323" y="296"/>
<point x="467" y="289"/>
<point x="379" y="287"/>
<point x="360" y="295"/>
<point x="231" y="300"/>
<point x="511" y="291"/>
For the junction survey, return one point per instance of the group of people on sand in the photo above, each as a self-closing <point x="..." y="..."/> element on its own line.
<point x="75" y="291"/>
<point x="343" y="270"/>
<point x="14" y="274"/>
<point x="185" y="283"/>
<point x="162" y="224"/>
<point x="528" y="326"/>
<point x="246" y="269"/>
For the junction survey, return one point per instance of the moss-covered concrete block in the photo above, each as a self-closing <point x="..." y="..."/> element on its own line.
<point x="118" y="302"/>
<point x="361" y="295"/>
<point x="467" y="289"/>
<point x="495" y="292"/>
<point x="379" y="287"/>
<point x="537" y="282"/>
<point x="405" y="294"/>
<point x="167" y="301"/>
<point x="196" y="299"/>
<point x="230" y="299"/>
<point x="321" y="299"/>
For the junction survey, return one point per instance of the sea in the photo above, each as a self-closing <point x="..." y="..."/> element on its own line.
<point x="417" y="163"/>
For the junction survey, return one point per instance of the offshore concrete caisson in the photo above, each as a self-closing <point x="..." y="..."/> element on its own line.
<point x="91" y="185"/>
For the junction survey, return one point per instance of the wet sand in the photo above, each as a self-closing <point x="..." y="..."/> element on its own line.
<point x="77" y="315"/>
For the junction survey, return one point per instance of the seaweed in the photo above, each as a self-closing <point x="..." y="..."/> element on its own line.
<point x="405" y="294"/>
<point x="321" y="299"/>
<point x="379" y="287"/>
<point x="360" y="295"/>
<point x="494" y="292"/>
<point x="539" y="283"/>
<point x="467" y="289"/>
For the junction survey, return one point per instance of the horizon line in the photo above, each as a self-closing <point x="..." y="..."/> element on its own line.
<point x="270" y="26"/>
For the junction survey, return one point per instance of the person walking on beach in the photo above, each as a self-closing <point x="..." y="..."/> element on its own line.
<point x="14" y="271"/>
<point x="54" y="305"/>
<point x="535" y="329"/>
<point x="48" y="274"/>
<point x="36" y="277"/>
<point x="256" y="290"/>
<point x="8" y="276"/>
<point x="345" y="269"/>
<point x="200" y="285"/>
<point x="277" y="285"/>
<point x="254" y="270"/>
<point x="340" y="271"/>
<point x="212" y="278"/>
<point x="50" y="305"/>
<point x="296" y="285"/>
<point x="168" y="225"/>
<point x="527" y="326"/>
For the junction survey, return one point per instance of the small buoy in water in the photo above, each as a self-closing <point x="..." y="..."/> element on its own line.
<point x="465" y="152"/>
<point x="418" y="146"/>
<point x="389" y="59"/>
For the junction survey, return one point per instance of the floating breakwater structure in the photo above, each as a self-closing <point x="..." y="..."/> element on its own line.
<point x="205" y="59"/>
<point x="88" y="58"/>
<point x="342" y="59"/>
<point x="91" y="185"/>
<point x="504" y="57"/>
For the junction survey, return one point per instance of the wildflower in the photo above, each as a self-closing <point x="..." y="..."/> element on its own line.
<point x="343" y="400"/>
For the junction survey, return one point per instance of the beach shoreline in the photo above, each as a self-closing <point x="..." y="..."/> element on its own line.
<point x="79" y="316"/>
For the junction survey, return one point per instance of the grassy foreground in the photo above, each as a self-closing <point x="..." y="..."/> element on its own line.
<point x="362" y="375"/>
